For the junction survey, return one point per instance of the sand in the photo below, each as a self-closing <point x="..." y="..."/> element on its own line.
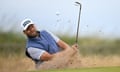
<point x="69" y="58"/>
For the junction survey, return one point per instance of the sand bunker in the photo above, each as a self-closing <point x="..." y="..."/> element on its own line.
<point x="69" y="58"/>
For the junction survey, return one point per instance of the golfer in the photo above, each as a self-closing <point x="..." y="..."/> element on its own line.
<point x="41" y="45"/>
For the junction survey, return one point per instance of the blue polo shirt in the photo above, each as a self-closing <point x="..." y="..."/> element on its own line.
<point x="45" y="42"/>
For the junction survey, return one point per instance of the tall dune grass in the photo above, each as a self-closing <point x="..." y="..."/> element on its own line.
<point x="14" y="44"/>
<point x="94" y="51"/>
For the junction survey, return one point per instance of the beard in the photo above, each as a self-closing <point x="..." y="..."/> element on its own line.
<point x="33" y="36"/>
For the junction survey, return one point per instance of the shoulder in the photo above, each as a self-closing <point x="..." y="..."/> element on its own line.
<point x="45" y="31"/>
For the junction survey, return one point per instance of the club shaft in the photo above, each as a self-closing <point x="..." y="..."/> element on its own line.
<point x="78" y="24"/>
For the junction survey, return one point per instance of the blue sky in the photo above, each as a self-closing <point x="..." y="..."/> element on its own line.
<point x="98" y="17"/>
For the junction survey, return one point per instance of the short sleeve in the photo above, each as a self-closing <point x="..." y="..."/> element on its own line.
<point x="35" y="53"/>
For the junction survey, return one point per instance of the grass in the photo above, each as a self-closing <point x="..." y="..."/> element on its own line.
<point x="97" y="69"/>
<point x="12" y="58"/>
<point x="13" y="43"/>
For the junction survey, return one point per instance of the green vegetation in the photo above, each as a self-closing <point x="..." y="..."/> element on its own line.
<point x="14" y="44"/>
<point x="96" y="46"/>
<point x="10" y="37"/>
<point x="97" y="69"/>
<point x="12" y="47"/>
<point x="11" y="44"/>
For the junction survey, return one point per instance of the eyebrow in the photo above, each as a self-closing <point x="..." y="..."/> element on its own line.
<point x="30" y="25"/>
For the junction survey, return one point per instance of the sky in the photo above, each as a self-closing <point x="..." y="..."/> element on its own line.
<point x="98" y="17"/>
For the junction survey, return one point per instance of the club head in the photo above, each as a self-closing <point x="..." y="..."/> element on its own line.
<point x="77" y="3"/>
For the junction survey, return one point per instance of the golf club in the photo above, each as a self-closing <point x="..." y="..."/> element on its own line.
<point x="78" y="21"/>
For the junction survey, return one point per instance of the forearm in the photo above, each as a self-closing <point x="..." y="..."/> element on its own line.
<point x="62" y="44"/>
<point x="46" y="56"/>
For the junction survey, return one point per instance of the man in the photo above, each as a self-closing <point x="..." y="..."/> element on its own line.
<point x="41" y="45"/>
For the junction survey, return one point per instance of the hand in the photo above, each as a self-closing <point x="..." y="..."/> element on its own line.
<point x="75" y="46"/>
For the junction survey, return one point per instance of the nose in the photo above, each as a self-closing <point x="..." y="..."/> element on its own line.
<point x="31" y="29"/>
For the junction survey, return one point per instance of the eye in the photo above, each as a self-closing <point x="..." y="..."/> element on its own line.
<point x="28" y="31"/>
<point x="32" y="25"/>
<point x="29" y="27"/>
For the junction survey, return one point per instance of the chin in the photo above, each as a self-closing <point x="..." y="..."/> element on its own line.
<point x="32" y="36"/>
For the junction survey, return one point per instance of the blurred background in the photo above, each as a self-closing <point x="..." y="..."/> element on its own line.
<point x="99" y="32"/>
<point x="98" y="17"/>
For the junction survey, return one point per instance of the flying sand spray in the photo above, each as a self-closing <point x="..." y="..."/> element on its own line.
<point x="69" y="58"/>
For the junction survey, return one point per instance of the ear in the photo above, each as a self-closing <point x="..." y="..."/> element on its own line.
<point x="24" y="32"/>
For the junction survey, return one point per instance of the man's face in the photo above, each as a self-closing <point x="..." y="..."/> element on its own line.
<point x="31" y="31"/>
